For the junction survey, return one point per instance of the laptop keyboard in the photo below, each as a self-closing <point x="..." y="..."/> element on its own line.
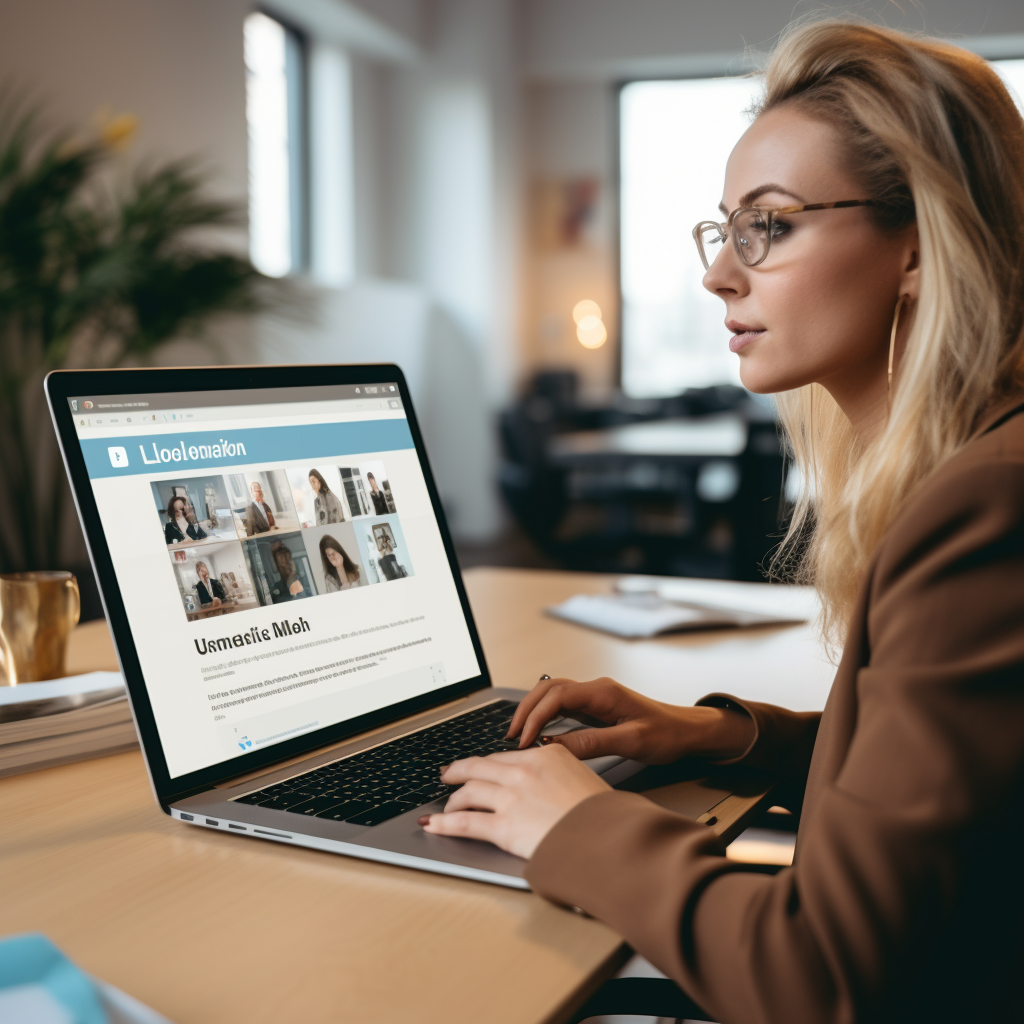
<point x="378" y="784"/>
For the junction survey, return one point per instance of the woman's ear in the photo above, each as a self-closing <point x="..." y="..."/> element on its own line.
<point x="910" y="281"/>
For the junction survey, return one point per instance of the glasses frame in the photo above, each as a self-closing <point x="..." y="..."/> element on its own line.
<point x="724" y="228"/>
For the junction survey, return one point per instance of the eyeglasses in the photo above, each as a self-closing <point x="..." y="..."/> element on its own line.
<point x="752" y="230"/>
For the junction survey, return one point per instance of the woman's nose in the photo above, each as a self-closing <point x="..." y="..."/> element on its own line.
<point x="726" y="275"/>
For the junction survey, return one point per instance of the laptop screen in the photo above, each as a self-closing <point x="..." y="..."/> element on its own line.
<point x="278" y="557"/>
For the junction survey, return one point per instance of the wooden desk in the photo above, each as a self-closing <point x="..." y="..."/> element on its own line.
<point x="206" y="927"/>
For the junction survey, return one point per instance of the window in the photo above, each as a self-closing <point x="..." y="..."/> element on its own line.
<point x="276" y="114"/>
<point x="675" y="138"/>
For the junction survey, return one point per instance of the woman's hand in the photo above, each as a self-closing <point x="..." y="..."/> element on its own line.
<point x="513" y="799"/>
<point x="638" y="727"/>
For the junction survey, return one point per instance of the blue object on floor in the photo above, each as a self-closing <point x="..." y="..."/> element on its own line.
<point x="39" y="983"/>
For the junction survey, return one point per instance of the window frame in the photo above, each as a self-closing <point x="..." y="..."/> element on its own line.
<point x="703" y="74"/>
<point x="297" y="106"/>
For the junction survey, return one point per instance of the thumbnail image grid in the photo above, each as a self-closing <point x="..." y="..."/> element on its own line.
<point x="246" y="540"/>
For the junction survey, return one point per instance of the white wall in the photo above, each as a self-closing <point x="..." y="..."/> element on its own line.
<point x="610" y="39"/>
<point x="177" y="66"/>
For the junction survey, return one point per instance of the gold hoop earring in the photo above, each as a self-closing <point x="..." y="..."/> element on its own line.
<point x="892" y="343"/>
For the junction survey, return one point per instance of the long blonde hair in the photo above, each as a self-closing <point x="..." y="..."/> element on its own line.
<point x="935" y="139"/>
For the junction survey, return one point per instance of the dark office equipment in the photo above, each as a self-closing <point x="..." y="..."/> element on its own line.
<point x="689" y="485"/>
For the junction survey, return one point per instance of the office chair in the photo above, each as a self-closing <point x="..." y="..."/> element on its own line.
<point x="640" y="997"/>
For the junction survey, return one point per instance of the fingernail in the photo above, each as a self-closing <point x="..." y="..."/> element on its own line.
<point x="425" y="820"/>
<point x="545" y="676"/>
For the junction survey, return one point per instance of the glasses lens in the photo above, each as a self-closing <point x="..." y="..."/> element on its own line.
<point x="711" y="239"/>
<point x="750" y="235"/>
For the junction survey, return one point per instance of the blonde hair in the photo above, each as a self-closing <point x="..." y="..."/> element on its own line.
<point x="935" y="139"/>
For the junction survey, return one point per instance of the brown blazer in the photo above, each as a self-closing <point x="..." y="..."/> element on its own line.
<point x="905" y="901"/>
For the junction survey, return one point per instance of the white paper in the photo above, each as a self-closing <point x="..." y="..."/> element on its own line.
<point x="635" y="617"/>
<point x="88" y="682"/>
<point x="763" y="598"/>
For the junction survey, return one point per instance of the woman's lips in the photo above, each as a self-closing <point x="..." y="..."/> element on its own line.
<point x="743" y="338"/>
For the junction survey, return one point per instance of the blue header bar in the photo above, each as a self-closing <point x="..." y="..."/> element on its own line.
<point x="186" y="450"/>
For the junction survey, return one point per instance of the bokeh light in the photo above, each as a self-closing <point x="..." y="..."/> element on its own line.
<point x="584" y="308"/>
<point x="591" y="332"/>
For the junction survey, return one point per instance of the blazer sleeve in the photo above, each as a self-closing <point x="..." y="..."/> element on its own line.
<point x="895" y="847"/>
<point x="783" y="740"/>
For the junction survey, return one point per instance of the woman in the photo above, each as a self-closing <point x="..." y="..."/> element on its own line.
<point x="326" y="506"/>
<point x="210" y="591"/>
<point x="893" y="333"/>
<point x="337" y="565"/>
<point x="288" y="586"/>
<point x="181" y="522"/>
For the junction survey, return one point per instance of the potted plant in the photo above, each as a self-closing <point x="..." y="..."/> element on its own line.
<point x="92" y="273"/>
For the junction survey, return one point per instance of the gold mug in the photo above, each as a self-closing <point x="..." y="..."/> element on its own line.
<point x="38" y="610"/>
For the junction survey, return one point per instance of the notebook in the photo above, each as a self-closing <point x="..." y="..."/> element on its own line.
<point x="646" y="606"/>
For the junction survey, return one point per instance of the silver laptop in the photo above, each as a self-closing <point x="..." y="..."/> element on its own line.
<point x="286" y="604"/>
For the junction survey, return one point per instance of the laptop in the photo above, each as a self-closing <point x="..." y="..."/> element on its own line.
<point x="288" y="612"/>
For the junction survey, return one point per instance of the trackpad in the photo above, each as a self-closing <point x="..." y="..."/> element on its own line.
<point x="614" y="769"/>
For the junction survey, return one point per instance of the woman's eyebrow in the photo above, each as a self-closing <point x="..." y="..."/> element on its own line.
<point x="754" y="194"/>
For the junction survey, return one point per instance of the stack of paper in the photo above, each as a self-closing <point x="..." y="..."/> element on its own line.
<point x="62" y="720"/>
<point x="646" y="606"/>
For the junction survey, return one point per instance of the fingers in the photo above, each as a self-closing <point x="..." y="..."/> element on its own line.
<point x="584" y="743"/>
<point x="476" y="795"/>
<point x="465" y="824"/>
<point x="529" y="702"/>
<point x="596" y="698"/>
<point x="498" y="767"/>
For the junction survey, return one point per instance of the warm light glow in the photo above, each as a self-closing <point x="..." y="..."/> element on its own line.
<point x="585" y="308"/>
<point x="591" y="332"/>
